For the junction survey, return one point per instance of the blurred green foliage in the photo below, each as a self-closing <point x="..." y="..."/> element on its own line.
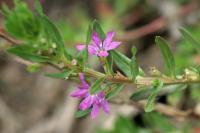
<point x="23" y="20"/>
<point x="187" y="55"/>
<point x="149" y="123"/>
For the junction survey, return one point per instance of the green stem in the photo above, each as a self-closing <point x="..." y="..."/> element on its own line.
<point x="141" y="81"/>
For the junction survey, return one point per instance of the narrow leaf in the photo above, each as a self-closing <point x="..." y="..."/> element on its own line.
<point x="134" y="50"/>
<point x="145" y="92"/>
<point x="109" y="64"/>
<point x="167" y="55"/>
<point x="122" y="62"/>
<point x="89" y="33"/>
<point x="189" y="37"/>
<point x="82" y="113"/>
<point x="38" y="7"/>
<point x="141" y="94"/>
<point x="114" y="91"/>
<point x="82" y="57"/>
<point x="96" y="86"/>
<point x="157" y="85"/>
<point x="25" y="53"/>
<point x="52" y="33"/>
<point x="134" y="68"/>
<point x="62" y="75"/>
<point x="99" y="30"/>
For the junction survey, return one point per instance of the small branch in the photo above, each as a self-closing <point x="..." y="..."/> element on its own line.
<point x="8" y="38"/>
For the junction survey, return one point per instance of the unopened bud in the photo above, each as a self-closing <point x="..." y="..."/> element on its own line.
<point x="155" y="72"/>
<point x="189" y="74"/>
<point x="74" y="62"/>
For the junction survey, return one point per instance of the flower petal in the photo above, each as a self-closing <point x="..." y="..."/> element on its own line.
<point x="112" y="45"/>
<point x="84" y="83"/>
<point x="79" y="93"/>
<point x="101" y="94"/>
<point x="81" y="77"/>
<point x="95" y="111"/>
<point x="105" y="106"/>
<point x="92" y="49"/>
<point x="108" y="38"/>
<point x="102" y="53"/>
<point x="80" y="47"/>
<point x="96" y="39"/>
<point x="86" y="103"/>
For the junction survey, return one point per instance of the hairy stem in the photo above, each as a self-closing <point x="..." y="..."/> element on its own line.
<point x="140" y="81"/>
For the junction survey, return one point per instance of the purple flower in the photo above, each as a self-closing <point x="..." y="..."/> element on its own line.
<point x="82" y="89"/>
<point x="98" y="47"/>
<point x="95" y="101"/>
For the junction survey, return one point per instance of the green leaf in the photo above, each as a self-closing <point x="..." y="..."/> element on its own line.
<point x="52" y="33"/>
<point x="89" y="33"/>
<point x="134" y="67"/>
<point x="109" y="64"/>
<point x="96" y="86"/>
<point x="134" y="50"/>
<point x="141" y="94"/>
<point x="167" y="55"/>
<point x="82" y="57"/>
<point x="141" y="72"/>
<point x="157" y="85"/>
<point x="189" y="37"/>
<point x="114" y="91"/>
<point x="82" y="113"/>
<point x="25" y="52"/>
<point x="122" y="62"/>
<point x="63" y="75"/>
<point x="21" y="23"/>
<point x="99" y="30"/>
<point x="38" y="7"/>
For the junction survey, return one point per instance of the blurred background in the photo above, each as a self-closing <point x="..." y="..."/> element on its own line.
<point x="33" y="103"/>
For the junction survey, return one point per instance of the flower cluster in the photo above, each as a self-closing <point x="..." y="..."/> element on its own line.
<point x="95" y="101"/>
<point x="98" y="47"/>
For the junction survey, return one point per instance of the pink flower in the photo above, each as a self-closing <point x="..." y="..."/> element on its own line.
<point x="82" y="89"/>
<point x="98" y="47"/>
<point x="95" y="101"/>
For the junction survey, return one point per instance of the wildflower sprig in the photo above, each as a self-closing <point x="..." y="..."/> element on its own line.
<point x="41" y="43"/>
